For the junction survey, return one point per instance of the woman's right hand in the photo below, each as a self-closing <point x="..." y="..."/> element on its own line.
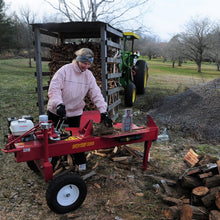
<point x="61" y="110"/>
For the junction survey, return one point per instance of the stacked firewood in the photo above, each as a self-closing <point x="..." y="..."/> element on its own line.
<point x="64" y="53"/>
<point x="201" y="183"/>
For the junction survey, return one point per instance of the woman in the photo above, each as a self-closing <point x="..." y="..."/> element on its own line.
<point x="67" y="90"/>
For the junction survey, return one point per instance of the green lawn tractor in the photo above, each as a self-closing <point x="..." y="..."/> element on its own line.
<point x="134" y="72"/>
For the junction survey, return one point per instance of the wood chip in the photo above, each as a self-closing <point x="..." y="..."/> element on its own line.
<point x="97" y="185"/>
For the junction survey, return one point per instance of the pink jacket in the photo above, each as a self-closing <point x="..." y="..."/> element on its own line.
<point x="69" y="86"/>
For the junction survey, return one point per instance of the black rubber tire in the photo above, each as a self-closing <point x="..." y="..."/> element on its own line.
<point x="33" y="166"/>
<point x="141" y="77"/>
<point x="61" y="193"/>
<point x="130" y="95"/>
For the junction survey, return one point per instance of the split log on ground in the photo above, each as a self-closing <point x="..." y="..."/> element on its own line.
<point x="130" y="151"/>
<point x="137" y="151"/>
<point x="191" y="157"/>
<point x="209" y="199"/>
<point x="172" y="212"/>
<point x="214" y="215"/>
<point x="88" y="175"/>
<point x="198" y="170"/>
<point x="212" y="181"/>
<point x="193" y="170"/>
<point x="168" y="181"/>
<point x="193" y="212"/>
<point x="58" y="171"/>
<point x="166" y="188"/>
<point x="99" y="154"/>
<point x="123" y="159"/>
<point x="190" y="182"/>
<point x="69" y="160"/>
<point x="205" y="175"/>
<point x="115" y="150"/>
<point x="217" y="200"/>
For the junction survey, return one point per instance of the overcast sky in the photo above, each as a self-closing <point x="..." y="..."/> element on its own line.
<point x="164" y="17"/>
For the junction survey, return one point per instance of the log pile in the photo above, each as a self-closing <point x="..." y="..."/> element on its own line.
<point x="64" y="53"/>
<point x="122" y="155"/>
<point x="201" y="186"/>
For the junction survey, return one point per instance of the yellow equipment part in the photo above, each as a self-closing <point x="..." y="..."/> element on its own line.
<point x="130" y="35"/>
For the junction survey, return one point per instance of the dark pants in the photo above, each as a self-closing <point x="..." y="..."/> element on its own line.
<point x="80" y="158"/>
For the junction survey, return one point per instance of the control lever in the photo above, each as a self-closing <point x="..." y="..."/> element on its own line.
<point x="60" y="123"/>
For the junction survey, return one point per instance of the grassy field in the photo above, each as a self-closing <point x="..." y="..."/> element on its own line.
<point x="163" y="76"/>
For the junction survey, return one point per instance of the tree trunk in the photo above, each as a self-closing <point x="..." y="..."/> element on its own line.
<point x="199" y="67"/>
<point x="180" y="62"/>
<point x="30" y="62"/>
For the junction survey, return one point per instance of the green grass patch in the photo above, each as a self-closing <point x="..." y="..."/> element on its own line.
<point x="18" y="94"/>
<point x="208" y="149"/>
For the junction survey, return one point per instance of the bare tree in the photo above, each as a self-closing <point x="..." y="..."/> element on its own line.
<point x="114" y="12"/>
<point x="195" y="40"/>
<point x="174" y="50"/>
<point x="148" y="46"/>
<point x="214" y="53"/>
<point x="27" y="17"/>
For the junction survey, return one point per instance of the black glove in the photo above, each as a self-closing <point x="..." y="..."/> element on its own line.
<point x="61" y="111"/>
<point x="106" y="120"/>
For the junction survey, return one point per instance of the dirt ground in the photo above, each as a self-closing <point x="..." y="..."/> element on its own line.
<point x="117" y="190"/>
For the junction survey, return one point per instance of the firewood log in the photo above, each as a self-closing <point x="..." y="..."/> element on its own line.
<point x="197" y="194"/>
<point x="214" y="215"/>
<point x="212" y="181"/>
<point x="186" y="213"/>
<point x="217" y="200"/>
<point x="190" y="182"/>
<point x="209" y="199"/>
<point x="172" y="212"/>
<point x="191" y="157"/>
<point x="173" y="201"/>
<point x="193" y="212"/>
<point x="200" y="191"/>
<point x="205" y="175"/>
